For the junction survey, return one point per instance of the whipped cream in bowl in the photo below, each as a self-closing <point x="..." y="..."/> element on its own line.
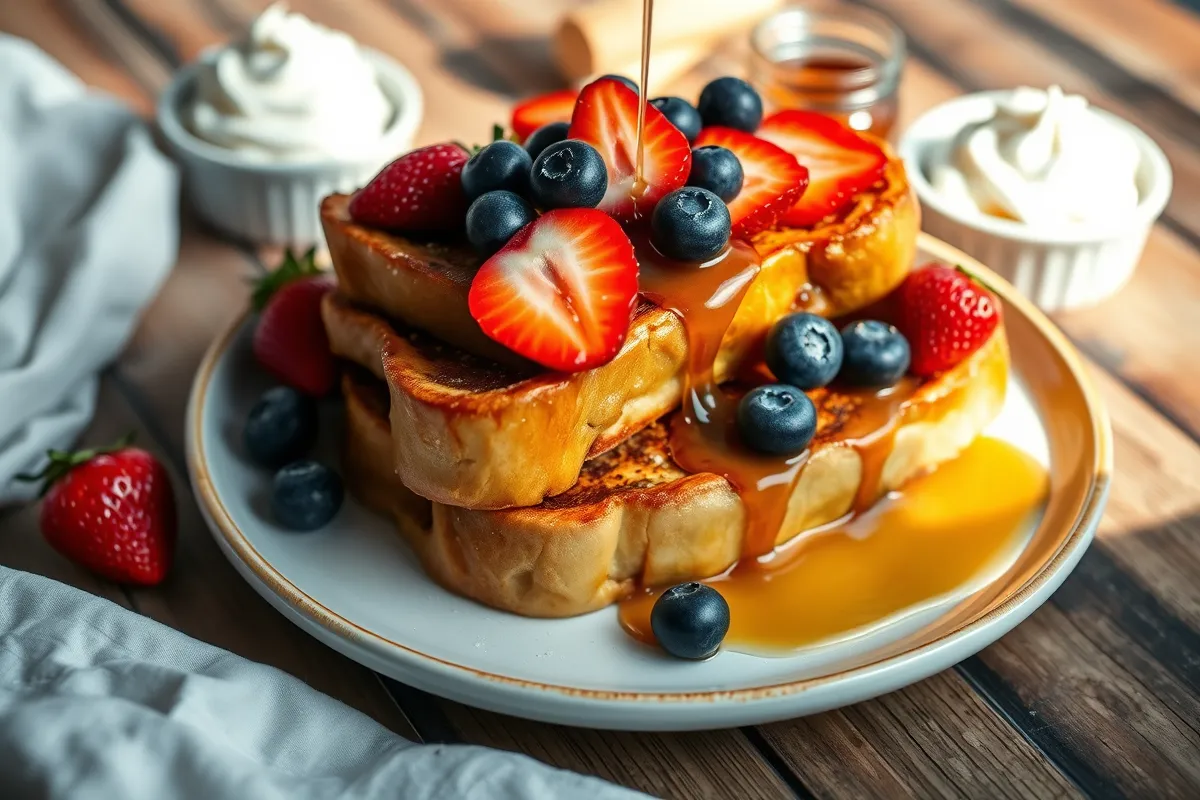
<point x="291" y="90"/>
<point x="1044" y="159"/>
<point x="266" y="126"/>
<point x="1054" y="194"/>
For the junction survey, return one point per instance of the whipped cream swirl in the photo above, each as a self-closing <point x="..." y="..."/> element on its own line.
<point x="1042" y="158"/>
<point x="291" y="90"/>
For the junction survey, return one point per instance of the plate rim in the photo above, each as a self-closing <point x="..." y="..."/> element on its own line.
<point x="235" y="543"/>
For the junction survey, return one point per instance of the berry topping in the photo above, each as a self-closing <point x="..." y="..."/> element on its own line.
<point x="621" y="79"/>
<point x="874" y="354"/>
<point x="290" y="340"/>
<point x="804" y="350"/>
<point x="499" y="165"/>
<point x="840" y="163"/>
<point x="772" y="181"/>
<point x="561" y="292"/>
<point x="111" y="511"/>
<point x="680" y="113"/>
<point x="306" y="495"/>
<point x="690" y="620"/>
<point x="568" y="174"/>
<point x="690" y="224"/>
<point x="281" y="427"/>
<point x="777" y="419"/>
<point x="946" y="316"/>
<point x="535" y="112"/>
<point x="718" y="170"/>
<point x="545" y="136"/>
<point x="494" y="218"/>
<point x="419" y="191"/>
<point x="731" y="103"/>
<point x="606" y="117"/>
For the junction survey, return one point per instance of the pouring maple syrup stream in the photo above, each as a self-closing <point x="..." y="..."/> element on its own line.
<point x="783" y="600"/>
<point x="639" y="184"/>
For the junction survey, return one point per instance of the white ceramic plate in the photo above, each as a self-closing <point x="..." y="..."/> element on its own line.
<point x="356" y="587"/>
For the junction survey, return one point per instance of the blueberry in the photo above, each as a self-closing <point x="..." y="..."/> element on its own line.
<point x="690" y="224"/>
<point x="876" y="354"/>
<point x="499" y="165"/>
<point x="281" y="427"/>
<point x="545" y="136"/>
<point x="569" y="174"/>
<point x="680" y="113"/>
<point x="718" y="170"/>
<point x="493" y="219"/>
<point x="306" y="495"/>
<point x="731" y="102"/>
<point x="620" y="78"/>
<point x="690" y="620"/>
<point x="777" y="419"/>
<point x="804" y="350"/>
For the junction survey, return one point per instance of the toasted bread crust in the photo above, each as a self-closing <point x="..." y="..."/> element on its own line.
<point x="479" y="436"/>
<point x="634" y="516"/>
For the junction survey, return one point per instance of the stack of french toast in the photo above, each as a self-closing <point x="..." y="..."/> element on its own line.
<point x="532" y="355"/>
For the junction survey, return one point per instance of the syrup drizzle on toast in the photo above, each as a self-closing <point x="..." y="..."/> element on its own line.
<point x="780" y="600"/>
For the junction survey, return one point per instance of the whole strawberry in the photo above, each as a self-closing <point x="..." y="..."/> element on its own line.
<point x="419" y="191"/>
<point x="290" y="341"/>
<point x="111" y="511"/>
<point x="946" y="315"/>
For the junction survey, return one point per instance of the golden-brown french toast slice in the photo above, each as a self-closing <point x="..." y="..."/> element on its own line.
<point x="849" y="261"/>
<point x="635" y="518"/>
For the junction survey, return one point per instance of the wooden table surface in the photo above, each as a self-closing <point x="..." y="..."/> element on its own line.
<point x="1097" y="694"/>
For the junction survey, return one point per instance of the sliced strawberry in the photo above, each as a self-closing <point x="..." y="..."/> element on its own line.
<point x="840" y="163"/>
<point x="562" y="290"/>
<point x="772" y="183"/>
<point x="606" y="117"/>
<point x="419" y="191"/>
<point x="535" y="112"/>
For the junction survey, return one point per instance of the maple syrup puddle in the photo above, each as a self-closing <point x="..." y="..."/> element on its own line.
<point x="946" y="534"/>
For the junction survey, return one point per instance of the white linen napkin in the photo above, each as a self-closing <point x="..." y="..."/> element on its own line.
<point x="88" y="230"/>
<point x="99" y="702"/>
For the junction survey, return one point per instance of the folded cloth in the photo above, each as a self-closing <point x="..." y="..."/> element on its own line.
<point x="99" y="702"/>
<point x="88" y="229"/>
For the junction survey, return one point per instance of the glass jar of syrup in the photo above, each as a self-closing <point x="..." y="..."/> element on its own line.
<point x="841" y="61"/>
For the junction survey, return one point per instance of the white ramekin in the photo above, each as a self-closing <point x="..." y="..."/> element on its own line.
<point x="277" y="202"/>
<point x="1057" y="269"/>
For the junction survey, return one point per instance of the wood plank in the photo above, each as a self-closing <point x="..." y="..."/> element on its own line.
<point x="937" y="738"/>
<point x="978" y="51"/>
<point x="55" y="30"/>
<point x="209" y="286"/>
<point x="1157" y="40"/>
<point x="683" y="765"/>
<point x="182" y="23"/>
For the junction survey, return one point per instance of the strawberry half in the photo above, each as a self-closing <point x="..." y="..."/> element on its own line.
<point x="419" y="191"/>
<point x="561" y="291"/>
<point x="535" y="112"/>
<point x="606" y="117"/>
<point x="840" y="162"/>
<point x="772" y="183"/>
<point x="946" y="315"/>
